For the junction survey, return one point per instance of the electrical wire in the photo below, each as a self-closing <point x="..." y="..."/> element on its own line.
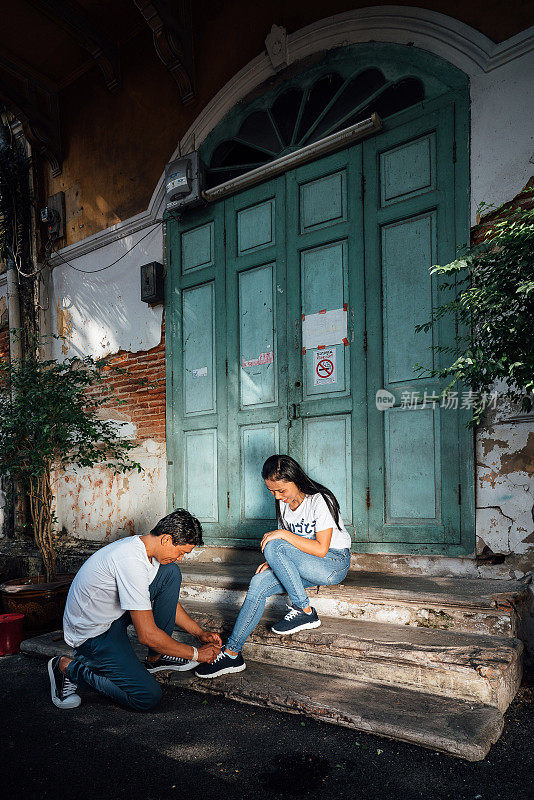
<point x="101" y="269"/>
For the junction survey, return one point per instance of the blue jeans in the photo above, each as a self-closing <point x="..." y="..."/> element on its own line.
<point x="290" y="571"/>
<point x="108" y="664"/>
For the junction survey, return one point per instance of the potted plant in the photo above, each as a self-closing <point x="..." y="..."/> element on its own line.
<point x="49" y="420"/>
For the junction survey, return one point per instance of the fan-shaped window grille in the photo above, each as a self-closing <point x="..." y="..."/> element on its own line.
<point x="298" y="117"/>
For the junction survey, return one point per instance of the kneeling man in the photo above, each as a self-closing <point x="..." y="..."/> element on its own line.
<point x="133" y="580"/>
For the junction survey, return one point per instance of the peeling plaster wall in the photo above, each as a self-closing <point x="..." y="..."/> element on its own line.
<point x="96" y="505"/>
<point x="100" y="313"/>
<point x="505" y="489"/>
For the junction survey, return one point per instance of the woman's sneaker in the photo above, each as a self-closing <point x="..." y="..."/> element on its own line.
<point x="222" y="664"/>
<point x="62" y="689"/>
<point x="170" y="662"/>
<point x="296" y="620"/>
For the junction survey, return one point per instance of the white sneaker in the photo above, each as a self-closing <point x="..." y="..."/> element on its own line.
<point x="170" y="662"/>
<point x="62" y="689"/>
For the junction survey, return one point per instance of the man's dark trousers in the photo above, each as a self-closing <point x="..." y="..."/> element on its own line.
<point x="108" y="664"/>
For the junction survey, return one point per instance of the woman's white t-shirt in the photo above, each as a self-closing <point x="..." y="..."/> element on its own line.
<point x="113" y="580"/>
<point x="311" y="516"/>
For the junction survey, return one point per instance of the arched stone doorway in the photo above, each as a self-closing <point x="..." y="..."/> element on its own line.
<point x="355" y="231"/>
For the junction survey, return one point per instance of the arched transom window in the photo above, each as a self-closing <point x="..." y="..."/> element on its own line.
<point x="299" y="116"/>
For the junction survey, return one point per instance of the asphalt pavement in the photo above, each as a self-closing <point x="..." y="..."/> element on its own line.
<point x="200" y="747"/>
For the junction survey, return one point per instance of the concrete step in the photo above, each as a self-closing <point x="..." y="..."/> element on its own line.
<point x="462" y="728"/>
<point x="463" y="604"/>
<point x="470" y="666"/>
<point x="459" y="727"/>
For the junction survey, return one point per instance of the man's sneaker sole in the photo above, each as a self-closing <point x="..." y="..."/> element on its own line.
<point x="303" y="627"/>
<point x="72" y="702"/>
<point x="223" y="671"/>
<point x="166" y="668"/>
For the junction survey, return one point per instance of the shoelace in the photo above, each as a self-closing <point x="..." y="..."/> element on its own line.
<point x="293" y="612"/>
<point x="175" y="659"/>
<point x="67" y="687"/>
<point x="221" y="655"/>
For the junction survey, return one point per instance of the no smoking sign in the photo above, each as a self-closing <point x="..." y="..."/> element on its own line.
<point x="324" y="366"/>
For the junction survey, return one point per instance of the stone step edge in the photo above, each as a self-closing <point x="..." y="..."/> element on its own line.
<point x="494" y="683"/>
<point x="214" y="619"/>
<point x="435" y="616"/>
<point x="501" y="604"/>
<point x="51" y="644"/>
<point x="486" y="722"/>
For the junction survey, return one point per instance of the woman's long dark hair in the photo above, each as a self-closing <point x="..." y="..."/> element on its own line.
<point x="285" y="468"/>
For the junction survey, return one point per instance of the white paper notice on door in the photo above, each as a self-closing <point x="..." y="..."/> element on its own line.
<point x="324" y="366"/>
<point x="324" y="328"/>
<point x="201" y="372"/>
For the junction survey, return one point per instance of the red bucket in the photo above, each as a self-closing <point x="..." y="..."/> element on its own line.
<point x="10" y="633"/>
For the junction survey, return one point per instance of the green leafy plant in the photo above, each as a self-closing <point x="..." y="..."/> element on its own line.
<point x="493" y="286"/>
<point x="49" y="419"/>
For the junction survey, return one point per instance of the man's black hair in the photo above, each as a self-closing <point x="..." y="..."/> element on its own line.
<point x="182" y="526"/>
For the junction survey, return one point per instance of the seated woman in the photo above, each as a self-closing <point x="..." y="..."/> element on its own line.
<point x="310" y="548"/>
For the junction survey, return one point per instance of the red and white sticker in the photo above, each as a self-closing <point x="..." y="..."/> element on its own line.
<point x="263" y="358"/>
<point x="324" y="366"/>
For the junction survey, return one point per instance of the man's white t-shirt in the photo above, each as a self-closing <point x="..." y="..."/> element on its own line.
<point x="311" y="516"/>
<point x="113" y="580"/>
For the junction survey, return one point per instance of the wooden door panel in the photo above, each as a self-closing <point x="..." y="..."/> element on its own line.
<point x="324" y="284"/>
<point x="327" y="455"/>
<point x="325" y="258"/>
<point x="198" y="348"/>
<point x="201" y="471"/>
<point x="257" y="313"/>
<point x="408" y="170"/>
<point x="413" y="446"/>
<point x="195" y="364"/>
<point x="409" y="294"/>
<point x="256" y="353"/>
<point x="323" y="201"/>
<point x="198" y="248"/>
<point x="256" y="227"/>
<point x="258" y="442"/>
<point x="413" y="465"/>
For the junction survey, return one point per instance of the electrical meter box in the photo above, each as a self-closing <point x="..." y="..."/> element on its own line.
<point x="184" y="181"/>
<point x="152" y="282"/>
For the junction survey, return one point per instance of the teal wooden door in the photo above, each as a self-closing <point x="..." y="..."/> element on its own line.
<point x="256" y="351"/>
<point x="414" y="445"/>
<point x="197" y="399"/>
<point x="354" y="232"/>
<point x="327" y="386"/>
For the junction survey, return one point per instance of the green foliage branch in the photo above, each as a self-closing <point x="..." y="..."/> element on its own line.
<point x="493" y="286"/>
<point x="49" y="420"/>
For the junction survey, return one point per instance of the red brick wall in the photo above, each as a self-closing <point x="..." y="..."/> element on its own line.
<point x="4" y="341"/>
<point x="141" y="390"/>
<point x="523" y="200"/>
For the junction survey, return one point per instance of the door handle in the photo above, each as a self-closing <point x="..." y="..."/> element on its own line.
<point x="293" y="411"/>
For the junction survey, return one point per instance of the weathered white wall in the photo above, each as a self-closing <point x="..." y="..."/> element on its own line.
<point x="98" y="314"/>
<point x="505" y="488"/>
<point x="101" y="312"/>
<point x="96" y="505"/>
<point x="502" y="132"/>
